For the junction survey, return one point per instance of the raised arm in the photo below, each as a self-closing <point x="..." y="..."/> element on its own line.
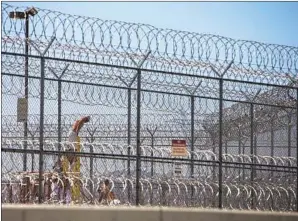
<point x="79" y="124"/>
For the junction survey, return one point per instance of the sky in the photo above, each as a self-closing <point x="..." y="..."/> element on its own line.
<point x="268" y="22"/>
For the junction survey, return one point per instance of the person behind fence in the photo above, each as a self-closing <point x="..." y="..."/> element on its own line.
<point x="106" y="196"/>
<point x="72" y="139"/>
<point x="71" y="158"/>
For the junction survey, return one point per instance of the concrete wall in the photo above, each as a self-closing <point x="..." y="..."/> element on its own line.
<point x="88" y="213"/>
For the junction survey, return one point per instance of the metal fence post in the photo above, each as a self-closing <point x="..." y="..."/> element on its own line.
<point x="138" y="160"/>
<point x="129" y="90"/>
<point x="192" y="143"/>
<point x="128" y="85"/>
<point x="26" y="89"/>
<point x="59" y="105"/>
<point x="138" y="154"/>
<point x="152" y="146"/>
<point x="239" y="149"/>
<point x="272" y="139"/>
<point x="91" y="140"/>
<point x="220" y="142"/>
<point x="192" y="128"/>
<point x="128" y="130"/>
<point x="152" y="164"/>
<point x="41" y="128"/>
<point x="289" y="130"/>
<point x="221" y="81"/>
<point x="253" y="138"/>
<point x="32" y="154"/>
<point x="41" y="124"/>
<point x="251" y="114"/>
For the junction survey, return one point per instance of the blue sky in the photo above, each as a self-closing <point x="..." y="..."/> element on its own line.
<point x="270" y="22"/>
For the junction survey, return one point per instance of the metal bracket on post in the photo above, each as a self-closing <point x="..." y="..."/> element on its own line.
<point x="251" y="99"/>
<point x="61" y="75"/>
<point x="192" y="92"/>
<point x="224" y="72"/>
<point x="41" y="125"/>
<point x="138" y="159"/>
<point x="220" y="75"/>
<point x="47" y="48"/>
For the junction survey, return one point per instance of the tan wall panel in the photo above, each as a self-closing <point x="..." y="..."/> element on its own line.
<point x="89" y="213"/>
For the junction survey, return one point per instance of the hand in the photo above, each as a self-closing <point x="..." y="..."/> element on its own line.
<point x="86" y="119"/>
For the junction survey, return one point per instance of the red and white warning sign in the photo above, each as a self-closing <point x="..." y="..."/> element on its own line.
<point x="179" y="148"/>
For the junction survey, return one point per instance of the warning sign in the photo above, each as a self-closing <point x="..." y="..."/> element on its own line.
<point x="177" y="169"/>
<point x="22" y="109"/>
<point x="179" y="148"/>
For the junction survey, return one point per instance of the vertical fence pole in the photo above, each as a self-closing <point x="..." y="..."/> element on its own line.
<point x="41" y="129"/>
<point x="289" y="130"/>
<point x="129" y="139"/>
<point x="220" y="130"/>
<point x="239" y="149"/>
<point x="192" y="131"/>
<point x="253" y="140"/>
<point x="152" y="164"/>
<point x="138" y="157"/>
<point x="128" y="129"/>
<point x="59" y="116"/>
<point x="92" y="138"/>
<point x="91" y="167"/>
<point x="272" y="140"/>
<point x="32" y="158"/>
<point x="59" y="105"/>
<point x="272" y="137"/>
<point x="152" y="145"/>
<point x="138" y="160"/>
<point x="192" y="142"/>
<point x="251" y="113"/>
<point x="32" y="154"/>
<point x="26" y="90"/>
<point x="128" y="85"/>
<point x="192" y="101"/>
<point x="91" y="161"/>
<point x="41" y="124"/>
<point x="220" y="142"/>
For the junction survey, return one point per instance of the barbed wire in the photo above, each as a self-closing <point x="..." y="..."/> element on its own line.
<point x="272" y="190"/>
<point x="113" y="127"/>
<point x="114" y="42"/>
<point x="166" y="97"/>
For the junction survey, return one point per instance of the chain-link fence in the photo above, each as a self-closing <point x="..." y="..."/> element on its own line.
<point x="233" y="102"/>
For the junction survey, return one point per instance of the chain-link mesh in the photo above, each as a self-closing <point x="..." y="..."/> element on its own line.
<point x="234" y="103"/>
